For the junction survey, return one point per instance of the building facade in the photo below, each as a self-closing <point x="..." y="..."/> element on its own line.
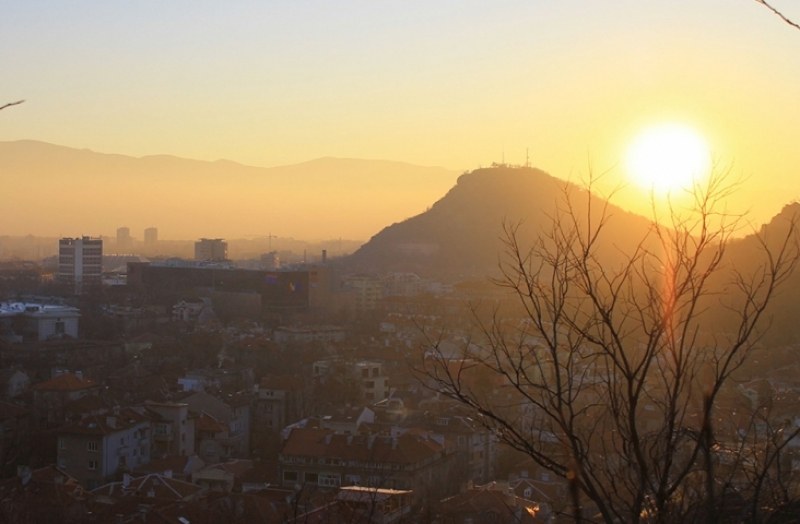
<point x="211" y="249"/>
<point x="80" y="263"/>
<point x="96" y="449"/>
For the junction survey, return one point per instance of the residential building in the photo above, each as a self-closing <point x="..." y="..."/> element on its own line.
<point x="374" y="383"/>
<point x="80" y="263"/>
<point x="51" y="397"/>
<point x="279" y="401"/>
<point x="224" y="433"/>
<point x="173" y="431"/>
<point x="367" y="374"/>
<point x="98" y="448"/>
<point x="366" y="291"/>
<point x="211" y="249"/>
<point x="319" y="457"/>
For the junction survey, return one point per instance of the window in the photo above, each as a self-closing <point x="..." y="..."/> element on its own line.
<point x="62" y="444"/>
<point x="91" y="445"/>
<point x="290" y="476"/>
<point x="330" y="480"/>
<point x="93" y="465"/>
<point x="312" y="478"/>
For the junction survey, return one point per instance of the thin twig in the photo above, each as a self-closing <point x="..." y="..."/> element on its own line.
<point x="11" y="104"/>
<point x="778" y="13"/>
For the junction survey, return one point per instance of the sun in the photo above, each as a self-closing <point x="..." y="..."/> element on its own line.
<point x="668" y="157"/>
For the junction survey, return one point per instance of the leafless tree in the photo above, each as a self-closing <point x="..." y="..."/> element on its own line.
<point x="612" y="377"/>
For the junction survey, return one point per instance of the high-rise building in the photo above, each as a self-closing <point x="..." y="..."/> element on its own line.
<point x="211" y="249"/>
<point x="124" y="240"/>
<point x="150" y="236"/>
<point x="80" y="263"/>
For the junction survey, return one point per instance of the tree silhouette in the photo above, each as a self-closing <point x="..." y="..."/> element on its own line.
<point x="613" y="377"/>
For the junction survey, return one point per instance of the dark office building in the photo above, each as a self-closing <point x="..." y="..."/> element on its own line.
<point x="279" y="290"/>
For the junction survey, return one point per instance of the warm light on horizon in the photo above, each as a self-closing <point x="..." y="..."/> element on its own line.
<point x="668" y="157"/>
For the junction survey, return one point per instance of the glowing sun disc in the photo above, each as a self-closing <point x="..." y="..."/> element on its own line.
<point x="668" y="157"/>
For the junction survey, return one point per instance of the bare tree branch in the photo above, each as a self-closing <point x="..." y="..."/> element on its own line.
<point x="11" y="104"/>
<point x="778" y="13"/>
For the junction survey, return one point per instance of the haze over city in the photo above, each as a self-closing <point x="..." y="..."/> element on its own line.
<point x="566" y="87"/>
<point x="400" y="262"/>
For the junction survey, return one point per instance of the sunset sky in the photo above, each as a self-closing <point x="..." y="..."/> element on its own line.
<point x="456" y="84"/>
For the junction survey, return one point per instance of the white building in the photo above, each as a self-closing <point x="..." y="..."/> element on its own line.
<point x="21" y="320"/>
<point x="80" y="262"/>
<point x="211" y="249"/>
<point x="98" y="448"/>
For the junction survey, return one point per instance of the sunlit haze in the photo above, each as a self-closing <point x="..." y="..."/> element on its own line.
<point x="668" y="157"/>
<point x="567" y="86"/>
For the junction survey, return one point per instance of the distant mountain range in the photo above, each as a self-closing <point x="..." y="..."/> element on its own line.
<point x="52" y="190"/>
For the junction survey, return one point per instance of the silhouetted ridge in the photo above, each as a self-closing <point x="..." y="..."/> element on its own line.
<point x="460" y="234"/>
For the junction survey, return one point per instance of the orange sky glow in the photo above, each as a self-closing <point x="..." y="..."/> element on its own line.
<point x="453" y="84"/>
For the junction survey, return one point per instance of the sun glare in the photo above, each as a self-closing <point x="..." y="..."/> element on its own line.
<point x="668" y="157"/>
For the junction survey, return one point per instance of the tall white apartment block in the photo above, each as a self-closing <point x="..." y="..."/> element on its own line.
<point x="80" y="262"/>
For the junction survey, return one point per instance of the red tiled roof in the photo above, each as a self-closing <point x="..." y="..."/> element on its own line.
<point x="208" y="424"/>
<point x="161" y="488"/>
<point x="65" y="382"/>
<point x="315" y="442"/>
<point x="104" y="424"/>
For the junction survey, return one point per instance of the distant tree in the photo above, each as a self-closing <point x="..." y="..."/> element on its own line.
<point x="612" y="379"/>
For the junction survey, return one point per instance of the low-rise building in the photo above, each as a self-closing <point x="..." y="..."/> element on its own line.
<point x="318" y="457"/>
<point x="97" y="448"/>
<point x="51" y="397"/>
<point x="22" y="321"/>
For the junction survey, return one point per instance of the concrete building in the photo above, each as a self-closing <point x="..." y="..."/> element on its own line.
<point x="80" y="263"/>
<point x="173" y="429"/>
<point x="320" y="457"/>
<point x="124" y="240"/>
<point x="98" y="448"/>
<point x="150" y="237"/>
<point x="23" y="321"/>
<point x="366" y="291"/>
<point x="211" y="249"/>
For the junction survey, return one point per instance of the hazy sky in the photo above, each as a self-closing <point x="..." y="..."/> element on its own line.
<point x="450" y="83"/>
